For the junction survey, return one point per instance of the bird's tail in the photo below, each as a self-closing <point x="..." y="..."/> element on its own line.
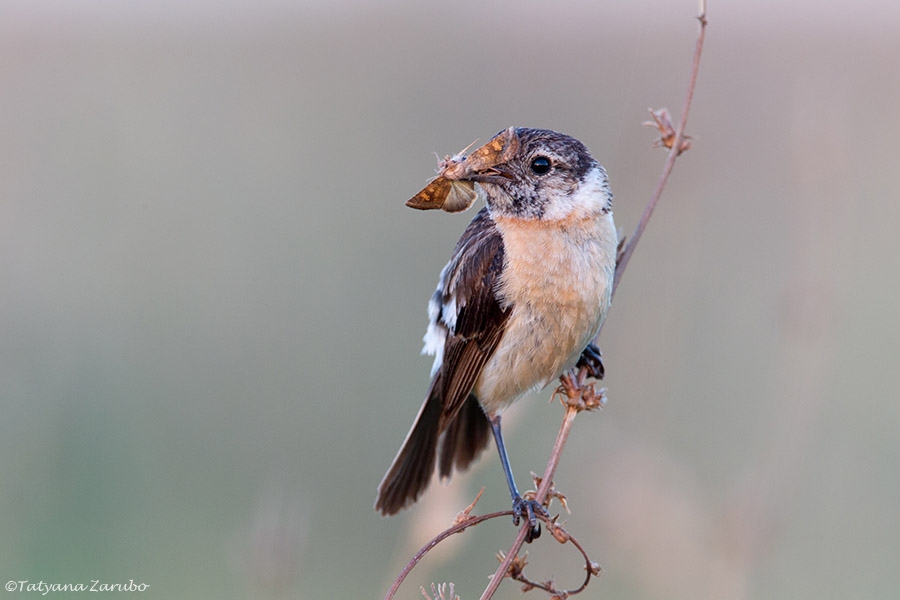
<point x="465" y="436"/>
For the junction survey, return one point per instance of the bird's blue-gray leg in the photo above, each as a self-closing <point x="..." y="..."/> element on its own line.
<point x="520" y="505"/>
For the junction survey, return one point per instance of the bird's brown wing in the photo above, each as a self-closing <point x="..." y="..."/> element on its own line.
<point x="472" y="322"/>
<point x="479" y="321"/>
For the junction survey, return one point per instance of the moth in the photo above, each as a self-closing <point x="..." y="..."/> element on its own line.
<point x="451" y="190"/>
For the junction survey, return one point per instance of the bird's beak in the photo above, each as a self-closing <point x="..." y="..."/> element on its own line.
<point x="484" y="165"/>
<point x="491" y="175"/>
<point x="458" y="173"/>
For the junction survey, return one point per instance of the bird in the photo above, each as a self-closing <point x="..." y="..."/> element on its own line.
<point x="519" y="303"/>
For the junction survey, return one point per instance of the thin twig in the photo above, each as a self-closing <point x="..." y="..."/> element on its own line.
<point x="503" y="569"/>
<point x="562" y="536"/>
<point x="674" y="151"/>
<point x="546" y="482"/>
<point x="467" y="521"/>
<point x="455" y="528"/>
<point x="577" y="396"/>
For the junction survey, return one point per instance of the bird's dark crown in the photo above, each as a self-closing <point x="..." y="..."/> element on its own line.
<point x="542" y="176"/>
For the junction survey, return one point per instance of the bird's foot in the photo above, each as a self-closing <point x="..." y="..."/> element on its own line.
<point x="592" y="362"/>
<point x="529" y="509"/>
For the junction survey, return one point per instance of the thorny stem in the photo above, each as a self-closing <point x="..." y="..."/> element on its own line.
<point x="497" y="577"/>
<point x="591" y="568"/>
<point x="546" y="482"/>
<point x="579" y="397"/>
<point x="464" y="521"/>
<point x="673" y="152"/>
<point x="620" y="269"/>
<point x="456" y="528"/>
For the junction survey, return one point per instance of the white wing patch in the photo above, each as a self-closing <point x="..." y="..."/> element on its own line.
<point x="441" y="320"/>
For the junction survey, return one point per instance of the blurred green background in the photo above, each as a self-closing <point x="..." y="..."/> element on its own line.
<point x="213" y="296"/>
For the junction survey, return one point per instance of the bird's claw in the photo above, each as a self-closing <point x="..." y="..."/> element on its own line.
<point x="592" y="362"/>
<point x="529" y="509"/>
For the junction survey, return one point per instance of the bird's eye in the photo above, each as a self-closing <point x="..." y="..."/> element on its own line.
<point x="540" y="165"/>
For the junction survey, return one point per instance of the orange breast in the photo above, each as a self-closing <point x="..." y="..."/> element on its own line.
<point x="558" y="278"/>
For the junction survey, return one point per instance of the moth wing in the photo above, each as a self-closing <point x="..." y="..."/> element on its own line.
<point x="432" y="196"/>
<point x="462" y="195"/>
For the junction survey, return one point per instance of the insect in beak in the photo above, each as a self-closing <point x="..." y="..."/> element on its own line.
<point x="453" y="190"/>
<point x="447" y="194"/>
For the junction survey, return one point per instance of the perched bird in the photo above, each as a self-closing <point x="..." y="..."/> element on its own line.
<point x="520" y="301"/>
